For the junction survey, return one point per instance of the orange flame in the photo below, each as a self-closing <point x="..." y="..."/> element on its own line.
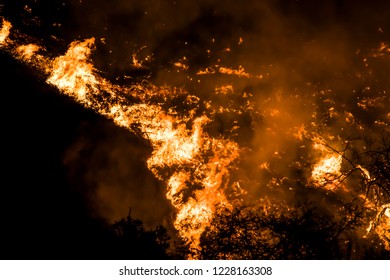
<point x="27" y="51"/>
<point x="327" y="170"/>
<point x="195" y="165"/>
<point x="175" y="147"/>
<point x="240" y="72"/>
<point x="5" y="31"/>
<point x="72" y="73"/>
<point x="381" y="224"/>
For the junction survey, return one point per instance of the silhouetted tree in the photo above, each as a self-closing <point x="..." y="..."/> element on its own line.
<point x="304" y="231"/>
<point x="133" y="241"/>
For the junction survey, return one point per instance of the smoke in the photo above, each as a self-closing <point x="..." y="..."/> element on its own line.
<point x="108" y="165"/>
<point x="269" y="74"/>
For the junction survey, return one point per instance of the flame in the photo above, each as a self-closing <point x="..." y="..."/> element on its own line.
<point x="195" y="214"/>
<point x="182" y="63"/>
<point x="5" y="31"/>
<point x="27" y="51"/>
<point x="195" y="166"/>
<point x="381" y="224"/>
<point x="224" y="89"/>
<point x="327" y="171"/>
<point x="206" y="71"/>
<point x="183" y="155"/>
<point x="240" y="72"/>
<point x="364" y="172"/>
<point x="137" y="62"/>
<point x="382" y="50"/>
<point x="73" y="74"/>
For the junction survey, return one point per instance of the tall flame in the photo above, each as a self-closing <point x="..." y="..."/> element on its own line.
<point x="73" y="74"/>
<point x="194" y="165"/>
<point x="174" y="146"/>
<point x="188" y="159"/>
<point x="5" y="31"/>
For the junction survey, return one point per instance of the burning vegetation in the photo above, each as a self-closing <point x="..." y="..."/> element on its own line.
<point x="258" y="161"/>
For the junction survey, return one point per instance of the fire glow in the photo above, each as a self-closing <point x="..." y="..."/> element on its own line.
<point x="327" y="170"/>
<point x="174" y="145"/>
<point x="184" y="155"/>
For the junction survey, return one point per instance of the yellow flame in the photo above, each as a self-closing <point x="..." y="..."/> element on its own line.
<point x="224" y="89"/>
<point x="206" y="71"/>
<point x="182" y="63"/>
<point x="327" y="171"/>
<point x="382" y="50"/>
<point x="240" y="72"/>
<point x="195" y="165"/>
<point x="5" y="31"/>
<point x="364" y="172"/>
<point x="183" y="154"/>
<point x="72" y="73"/>
<point x="27" y="51"/>
<point x="381" y="224"/>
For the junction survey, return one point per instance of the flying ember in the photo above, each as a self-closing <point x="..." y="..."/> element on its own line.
<point x="267" y="145"/>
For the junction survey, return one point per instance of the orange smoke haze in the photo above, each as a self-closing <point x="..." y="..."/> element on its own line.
<point x="269" y="111"/>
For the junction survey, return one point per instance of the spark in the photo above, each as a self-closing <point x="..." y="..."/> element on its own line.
<point x="194" y="165"/>
<point x="240" y="72"/>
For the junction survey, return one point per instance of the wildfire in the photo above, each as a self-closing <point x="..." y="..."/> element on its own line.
<point x="27" y="51"/>
<point x="382" y="50"/>
<point x="327" y="171"/>
<point x="5" y="31"/>
<point x="381" y="224"/>
<point x="194" y="164"/>
<point x="240" y="72"/>
<point x="199" y="163"/>
<point x="224" y="89"/>
<point x="73" y="74"/>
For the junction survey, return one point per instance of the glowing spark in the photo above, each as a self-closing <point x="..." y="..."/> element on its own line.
<point x="206" y="71"/>
<point x="240" y="72"/>
<point x="136" y="62"/>
<point x="182" y="64"/>
<point x="195" y="166"/>
<point x="300" y="132"/>
<point x="265" y="166"/>
<point x="224" y="89"/>
<point x="382" y="50"/>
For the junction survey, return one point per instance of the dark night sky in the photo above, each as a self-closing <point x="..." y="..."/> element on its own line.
<point x="46" y="206"/>
<point x="42" y="215"/>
